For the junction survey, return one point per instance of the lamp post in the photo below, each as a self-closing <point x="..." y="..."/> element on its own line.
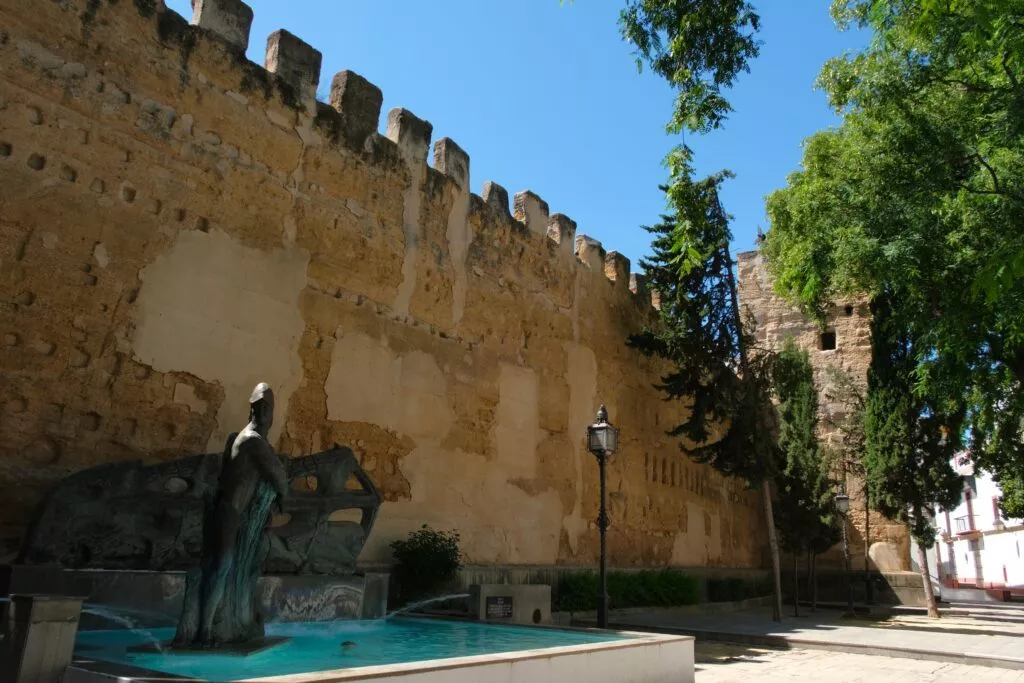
<point x="843" y="506"/>
<point x="602" y="440"/>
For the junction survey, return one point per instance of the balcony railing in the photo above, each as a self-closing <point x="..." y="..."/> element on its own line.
<point x="964" y="524"/>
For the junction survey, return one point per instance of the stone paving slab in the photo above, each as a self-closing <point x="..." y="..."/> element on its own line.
<point x="726" y="663"/>
<point x="977" y="635"/>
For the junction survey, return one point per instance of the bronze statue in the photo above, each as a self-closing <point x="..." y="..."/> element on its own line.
<point x="219" y="608"/>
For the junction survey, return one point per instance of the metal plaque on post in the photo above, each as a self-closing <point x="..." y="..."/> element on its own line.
<point x="499" y="607"/>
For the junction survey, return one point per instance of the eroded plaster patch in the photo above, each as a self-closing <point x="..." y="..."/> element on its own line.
<point x="460" y="234"/>
<point x="411" y="201"/>
<point x="582" y="379"/>
<point x="186" y="395"/>
<point x="463" y="491"/>
<point x="225" y="313"/>
<point x="517" y="430"/>
<point x="701" y="543"/>
<point x="368" y="382"/>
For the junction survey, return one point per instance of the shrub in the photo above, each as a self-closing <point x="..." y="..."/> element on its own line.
<point x="577" y="591"/>
<point x="425" y="563"/>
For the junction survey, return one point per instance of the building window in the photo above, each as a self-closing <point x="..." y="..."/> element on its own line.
<point x="996" y="515"/>
<point x="849" y="310"/>
<point x="828" y="340"/>
<point x="971" y="482"/>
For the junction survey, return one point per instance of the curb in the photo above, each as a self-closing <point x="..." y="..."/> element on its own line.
<point x="785" y="643"/>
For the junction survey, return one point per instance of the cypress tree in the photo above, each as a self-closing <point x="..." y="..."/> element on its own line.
<point x="910" y="438"/>
<point x="703" y="336"/>
<point x="803" y="512"/>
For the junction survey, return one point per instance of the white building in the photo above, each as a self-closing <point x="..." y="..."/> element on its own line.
<point x="976" y="546"/>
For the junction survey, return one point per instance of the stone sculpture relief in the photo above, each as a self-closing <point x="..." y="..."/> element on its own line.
<point x="128" y="515"/>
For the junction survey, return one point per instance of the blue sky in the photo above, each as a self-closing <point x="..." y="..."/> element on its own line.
<point x="546" y="96"/>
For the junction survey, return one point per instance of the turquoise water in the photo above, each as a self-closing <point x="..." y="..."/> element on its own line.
<point x="317" y="646"/>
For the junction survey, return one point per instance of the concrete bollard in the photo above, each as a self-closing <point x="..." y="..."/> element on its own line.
<point x="40" y="637"/>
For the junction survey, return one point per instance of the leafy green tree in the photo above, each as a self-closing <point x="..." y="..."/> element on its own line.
<point x="700" y="47"/>
<point x="844" y="390"/>
<point x="919" y="194"/>
<point x="729" y="426"/>
<point x="1012" y="499"/>
<point x="911" y="440"/>
<point x="804" y="511"/>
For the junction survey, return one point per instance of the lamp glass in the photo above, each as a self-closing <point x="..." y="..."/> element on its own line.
<point x="611" y="440"/>
<point x="843" y="503"/>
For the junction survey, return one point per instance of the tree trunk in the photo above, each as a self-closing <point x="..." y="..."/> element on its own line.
<point x="796" y="583"/>
<point x="869" y="593"/>
<point x="814" y="585"/>
<point x="929" y="594"/>
<point x="810" y="555"/>
<point x="773" y="544"/>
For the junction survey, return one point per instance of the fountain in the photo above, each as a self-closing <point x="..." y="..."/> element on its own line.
<point x="171" y="558"/>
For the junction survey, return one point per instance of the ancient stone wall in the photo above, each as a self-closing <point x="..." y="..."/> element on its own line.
<point x="178" y="223"/>
<point x="845" y="344"/>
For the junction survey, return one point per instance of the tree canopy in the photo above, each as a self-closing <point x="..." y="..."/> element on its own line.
<point x="910" y="441"/>
<point x="919" y="195"/>
<point x="699" y="47"/>
<point x="702" y="335"/>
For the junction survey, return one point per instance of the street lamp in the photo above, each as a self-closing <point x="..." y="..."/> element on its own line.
<point x="843" y="506"/>
<point x="602" y="440"/>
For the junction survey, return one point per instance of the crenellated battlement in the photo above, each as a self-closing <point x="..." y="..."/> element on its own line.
<point x="357" y="103"/>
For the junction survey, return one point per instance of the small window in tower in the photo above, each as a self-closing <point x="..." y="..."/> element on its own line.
<point x="828" y="340"/>
<point x="849" y="310"/>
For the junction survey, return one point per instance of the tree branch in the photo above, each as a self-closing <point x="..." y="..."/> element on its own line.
<point x="967" y="86"/>
<point x="997" y="188"/>
<point x="1009" y="73"/>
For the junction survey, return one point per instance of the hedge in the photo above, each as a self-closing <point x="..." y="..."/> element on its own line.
<point x="577" y="591"/>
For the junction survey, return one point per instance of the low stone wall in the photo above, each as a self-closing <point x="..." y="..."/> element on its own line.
<point x="890" y="588"/>
<point x="154" y="598"/>
<point x="550" y="575"/>
<point x="569" y="618"/>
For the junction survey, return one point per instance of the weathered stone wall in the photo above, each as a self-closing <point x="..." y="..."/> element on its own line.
<point x="850" y="321"/>
<point x="177" y="223"/>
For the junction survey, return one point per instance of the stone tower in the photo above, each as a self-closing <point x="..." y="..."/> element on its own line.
<point x="845" y="343"/>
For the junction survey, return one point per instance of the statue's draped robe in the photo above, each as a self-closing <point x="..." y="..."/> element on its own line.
<point x="237" y="619"/>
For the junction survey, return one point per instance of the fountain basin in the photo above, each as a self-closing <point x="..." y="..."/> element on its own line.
<point x="406" y="650"/>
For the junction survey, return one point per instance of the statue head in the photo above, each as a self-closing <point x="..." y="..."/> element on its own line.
<point x="261" y="406"/>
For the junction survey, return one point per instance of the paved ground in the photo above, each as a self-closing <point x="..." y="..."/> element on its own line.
<point x="967" y="634"/>
<point x="721" y="663"/>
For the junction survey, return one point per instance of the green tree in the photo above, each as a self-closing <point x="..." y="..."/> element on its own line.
<point x="700" y="47"/>
<point x="849" y="395"/>
<point x="919" y="194"/>
<point x="910" y="440"/>
<point x="729" y="426"/>
<point x="804" y="511"/>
